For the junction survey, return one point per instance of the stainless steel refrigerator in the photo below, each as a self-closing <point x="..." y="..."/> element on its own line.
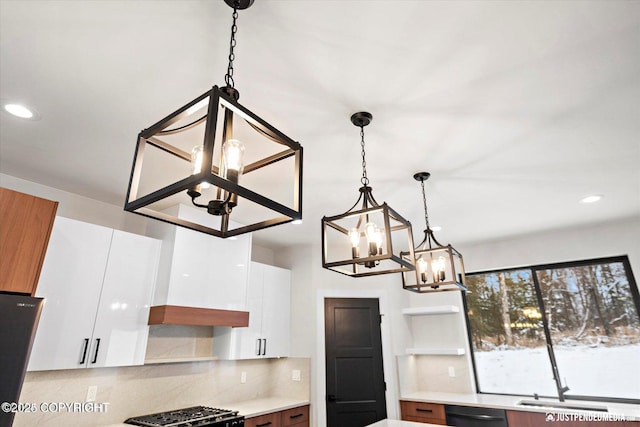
<point x="19" y="315"/>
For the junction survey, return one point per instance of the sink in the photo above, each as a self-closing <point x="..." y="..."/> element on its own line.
<point x="562" y="405"/>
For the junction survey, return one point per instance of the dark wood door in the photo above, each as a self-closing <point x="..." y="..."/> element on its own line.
<point x="355" y="377"/>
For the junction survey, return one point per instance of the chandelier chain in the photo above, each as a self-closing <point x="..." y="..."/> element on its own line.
<point x="228" y="78"/>
<point x="424" y="201"/>
<point x="364" y="180"/>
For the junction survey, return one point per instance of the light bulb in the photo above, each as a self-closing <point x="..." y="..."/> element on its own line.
<point x="354" y="236"/>
<point x="438" y="266"/>
<point x="422" y="269"/>
<point x="374" y="238"/>
<point x="197" y="154"/>
<point x="196" y="159"/>
<point x="232" y="153"/>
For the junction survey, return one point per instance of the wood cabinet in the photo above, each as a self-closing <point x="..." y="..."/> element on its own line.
<point x="197" y="269"/>
<point x="536" y="419"/>
<point x="422" y="412"/>
<point x="97" y="284"/>
<point x="294" y="417"/>
<point x="25" y="226"/>
<point x="268" y="333"/>
<point x="268" y="420"/>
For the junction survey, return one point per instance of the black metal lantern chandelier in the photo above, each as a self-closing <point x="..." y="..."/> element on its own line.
<point x="438" y="267"/>
<point x="369" y="238"/>
<point x="191" y="168"/>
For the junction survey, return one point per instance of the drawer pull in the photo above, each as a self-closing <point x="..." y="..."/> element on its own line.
<point x="424" y="410"/>
<point x="295" y="416"/>
<point x="264" y="425"/>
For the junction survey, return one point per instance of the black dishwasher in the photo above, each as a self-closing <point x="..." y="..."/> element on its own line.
<point x="470" y="416"/>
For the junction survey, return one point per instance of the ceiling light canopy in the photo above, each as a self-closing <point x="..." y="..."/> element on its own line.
<point x="438" y="267"/>
<point x="219" y="156"/>
<point x="369" y="238"/>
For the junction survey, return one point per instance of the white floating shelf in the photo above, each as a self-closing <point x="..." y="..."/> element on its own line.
<point x="436" y="309"/>
<point x="436" y="351"/>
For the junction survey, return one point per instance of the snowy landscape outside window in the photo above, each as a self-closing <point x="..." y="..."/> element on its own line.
<point x="590" y="310"/>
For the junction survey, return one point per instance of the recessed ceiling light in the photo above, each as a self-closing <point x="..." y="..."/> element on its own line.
<point x="296" y="222"/>
<point x="591" y="199"/>
<point x="436" y="228"/>
<point x="20" y="110"/>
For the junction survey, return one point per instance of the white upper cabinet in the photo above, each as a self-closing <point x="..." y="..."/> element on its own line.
<point x="97" y="284"/>
<point x="268" y="333"/>
<point x="200" y="270"/>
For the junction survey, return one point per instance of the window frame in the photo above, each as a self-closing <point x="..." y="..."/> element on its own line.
<point x="624" y="259"/>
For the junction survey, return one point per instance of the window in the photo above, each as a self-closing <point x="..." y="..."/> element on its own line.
<point x="535" y="330"/>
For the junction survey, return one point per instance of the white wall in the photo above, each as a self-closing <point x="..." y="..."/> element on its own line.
<point x="78" y="207"/>
<point x="620" y="237"/>
<point x="310" y="285"/>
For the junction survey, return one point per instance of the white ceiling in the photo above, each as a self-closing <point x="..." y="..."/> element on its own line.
<point x="518" y="109"/>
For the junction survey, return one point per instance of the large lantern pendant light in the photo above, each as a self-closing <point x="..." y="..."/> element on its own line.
<point x="215" y="166"/>
<point x="438" y="267"/>
<point x="369" y="238"/>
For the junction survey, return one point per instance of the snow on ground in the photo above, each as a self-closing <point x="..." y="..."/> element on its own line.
<point x="598" y="371"/>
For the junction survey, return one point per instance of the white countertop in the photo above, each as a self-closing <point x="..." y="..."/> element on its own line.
<point x="254" y="408"/>
<point x="629" y="411"/>
<point x="398" y="423"/>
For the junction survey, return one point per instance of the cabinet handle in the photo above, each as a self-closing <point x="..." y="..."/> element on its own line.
<point x="295" y="416"/>
<point x="264" y="425"/>
<point x="95" y="355"/>
<point x="264" y="347"/>
<point x="424" y="410"/>
<point x="84" y="352"/>
<point x="259" y="345"/>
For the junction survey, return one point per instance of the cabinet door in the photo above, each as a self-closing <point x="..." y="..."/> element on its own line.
<point x="424" y="412"/>
<point x="25" y="227"/>
<point x="121" y="330"/>
<point x="273" y="419"/>
<point x="296" y="417"/>
<point x="70" y="282"/>
<point x="276" y="309"/>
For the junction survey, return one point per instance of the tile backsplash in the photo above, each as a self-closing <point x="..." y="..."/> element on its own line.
<point x="139" y="390"/>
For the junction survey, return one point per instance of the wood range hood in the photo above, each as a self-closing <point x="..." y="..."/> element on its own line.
<point x="194" y="316"/>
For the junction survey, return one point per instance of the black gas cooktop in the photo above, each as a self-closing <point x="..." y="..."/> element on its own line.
<point x="199" y="416"/>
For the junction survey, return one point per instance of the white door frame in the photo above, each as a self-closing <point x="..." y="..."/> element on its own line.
<point x="387" y="353"/>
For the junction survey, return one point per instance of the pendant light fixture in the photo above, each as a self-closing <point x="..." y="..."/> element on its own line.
<point x="369" y="238"/>
<point x="237" y="172"/>
<point x="438" y="267"/>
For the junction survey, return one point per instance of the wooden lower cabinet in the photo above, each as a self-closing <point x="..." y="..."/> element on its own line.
<point x="422" y="412"/>
<point x="294" y="417"/>
<point x="537" y="419"/>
